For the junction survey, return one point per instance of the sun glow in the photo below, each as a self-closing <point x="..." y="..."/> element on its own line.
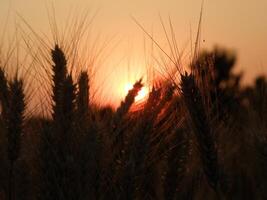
<point x="142" y="94"/>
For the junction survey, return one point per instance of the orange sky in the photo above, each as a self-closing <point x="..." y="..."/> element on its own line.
<point x="240" y="25"/>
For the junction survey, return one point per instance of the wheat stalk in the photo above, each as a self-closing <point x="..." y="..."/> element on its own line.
<point x="15" y="118"/>
<point x="202" y="129"/>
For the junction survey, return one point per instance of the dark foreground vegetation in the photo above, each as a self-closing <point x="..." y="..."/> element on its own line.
<point x="203" y="137"/>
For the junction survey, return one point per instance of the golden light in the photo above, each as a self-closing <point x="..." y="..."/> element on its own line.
<point x="142" y="94"/>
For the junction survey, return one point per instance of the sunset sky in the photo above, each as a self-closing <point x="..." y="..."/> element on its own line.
<point x="240" y="25"/>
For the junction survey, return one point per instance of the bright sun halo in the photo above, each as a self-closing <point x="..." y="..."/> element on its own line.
<point x="142" y="94"/>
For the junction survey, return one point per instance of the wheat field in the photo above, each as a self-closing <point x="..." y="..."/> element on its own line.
<point x="199" y="136"/>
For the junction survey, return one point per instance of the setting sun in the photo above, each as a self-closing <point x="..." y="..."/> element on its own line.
<point x="142" y="94"/>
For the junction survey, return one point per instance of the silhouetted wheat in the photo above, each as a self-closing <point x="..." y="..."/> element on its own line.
<point x="202" y="129"/>
<point x="59" y="77"/>
<point x="143" y="172"/>
<point x="90" y="149"/>
<point x="120" y="114"/>
<point x="127" y="103"/>
<point x="62" y="143"/>
<point x="64" y="96"/>
<point x="15" y="118"/>
<point x="14" y="125"/>
<point x="118" y="146"/>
